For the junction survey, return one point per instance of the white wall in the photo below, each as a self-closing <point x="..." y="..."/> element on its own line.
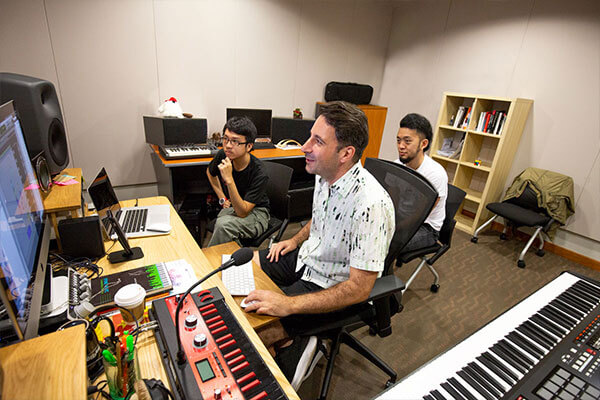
<point x="114" y="60"/>
<point x="548" y="51"/>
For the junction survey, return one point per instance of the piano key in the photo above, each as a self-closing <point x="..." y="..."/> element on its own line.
<point x="518" y="355"/>
<point x="493" y="364"/>
<point x="488" y="382"/>
<point x="437" y="395"/>
<point x="581" y="294"/>
<point x="588" y="288"/>
<point x="557" y="318"/>
<point x="428" y="397"/>
<point x="550" y="326"/>
<point x="570" y="321"/>
<point x="567" y="309"/>
<point x="453" y="392"/>
<point x="520" y="340"/>
<point x="475" y="385"/>
<point x="576" y="300"/>
<point x="542" y="334"/>
<point x="497" y="350"/>
<point x="461" y="389"/>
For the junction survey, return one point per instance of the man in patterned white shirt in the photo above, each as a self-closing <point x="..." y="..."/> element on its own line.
<point x="343" y="247"/>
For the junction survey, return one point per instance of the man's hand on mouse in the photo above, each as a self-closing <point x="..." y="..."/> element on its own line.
<point x="270" y="303"/>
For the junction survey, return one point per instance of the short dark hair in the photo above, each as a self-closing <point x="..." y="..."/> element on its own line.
<point x="350" y="125"/>
<point x="420" y="124"/>
<point x="242" y="126"/>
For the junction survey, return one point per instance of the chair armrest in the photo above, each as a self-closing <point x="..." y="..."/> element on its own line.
<point x="386" y="285"/>
<point x="438" y="254"/>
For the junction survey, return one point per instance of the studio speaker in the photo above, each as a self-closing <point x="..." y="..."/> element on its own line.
<point x="38" y="109"/>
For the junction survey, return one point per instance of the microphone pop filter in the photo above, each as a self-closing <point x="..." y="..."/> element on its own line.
<point x="242" y="256"/>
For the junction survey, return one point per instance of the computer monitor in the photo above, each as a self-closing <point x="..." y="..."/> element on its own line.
<point x="260" y="118"/>
<point x="24" y="235"/>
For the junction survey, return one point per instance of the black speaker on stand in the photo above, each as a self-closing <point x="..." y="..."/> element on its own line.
<point x="39" y="112"/>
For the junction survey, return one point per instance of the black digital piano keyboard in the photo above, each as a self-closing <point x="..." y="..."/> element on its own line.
<point x="545" y="347"/>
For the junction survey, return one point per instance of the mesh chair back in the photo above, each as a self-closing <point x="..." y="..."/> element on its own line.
<point x="280" y="177"/>
<point x="453" y="201"/>
<point x="413" y="198"/>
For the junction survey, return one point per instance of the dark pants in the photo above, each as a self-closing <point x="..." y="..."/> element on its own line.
<point x="283" y="274"/>
<point x="426" y="236"/>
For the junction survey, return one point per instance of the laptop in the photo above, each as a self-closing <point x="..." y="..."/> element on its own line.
<point x="135" y="221"/>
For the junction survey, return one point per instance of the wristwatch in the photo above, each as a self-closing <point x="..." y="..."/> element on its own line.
<point x="222" y="201"/>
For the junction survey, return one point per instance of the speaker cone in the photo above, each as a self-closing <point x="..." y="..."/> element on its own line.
<point x="43" y="173"/>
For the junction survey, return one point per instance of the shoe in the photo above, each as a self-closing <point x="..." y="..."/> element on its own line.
<point x="298" y="360"/>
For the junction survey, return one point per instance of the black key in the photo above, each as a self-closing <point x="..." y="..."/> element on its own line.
<point x="428" y="397"/>
<point x="453" y="392"/>
<point x="588" y="288"/>
<point x="508" y="358"/>
<point x="516" y="353"/>
<point x="525" y="344"/>
<point x="437" y="395"/>
<point x="535" y="336"/>
<point x="582" y="294"/>
<point x="548" y="325"/>
<point x="558" y="317"/>
<point x="496" y="387"/>
<point x="481" y="381"/>
<point x="536" y="331"/>
<point x="567" y="308"/>
<point x="475" y="385"/>
<point x="576" y="301"/>
<point x="497" y="368"/>
<point x="458" y="386"/>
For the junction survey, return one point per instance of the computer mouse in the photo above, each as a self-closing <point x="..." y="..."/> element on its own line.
<point x="243" y="304"/>
<point x="159" y="227"/>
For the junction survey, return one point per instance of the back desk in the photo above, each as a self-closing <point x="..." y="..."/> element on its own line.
<point x="179" y="244"/>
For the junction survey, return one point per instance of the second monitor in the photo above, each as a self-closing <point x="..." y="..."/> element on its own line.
<point x="260" y="117"/>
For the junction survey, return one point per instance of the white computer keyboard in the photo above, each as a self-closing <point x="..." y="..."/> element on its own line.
<point x="239" y="280"/>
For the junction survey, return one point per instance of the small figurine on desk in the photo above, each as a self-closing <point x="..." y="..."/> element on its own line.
<point x="170" y="108"/>
<point x="297" y="113"/>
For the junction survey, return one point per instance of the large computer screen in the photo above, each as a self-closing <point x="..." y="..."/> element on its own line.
<point x="260" y="118"/>
<point x="24" y="236"/>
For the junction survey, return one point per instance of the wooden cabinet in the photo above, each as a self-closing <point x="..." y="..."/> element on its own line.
<point x="376" y="118"/>
<point x="481" y="163"/>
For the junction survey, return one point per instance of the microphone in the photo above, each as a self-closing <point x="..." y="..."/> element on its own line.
<point x="239" y="257"/>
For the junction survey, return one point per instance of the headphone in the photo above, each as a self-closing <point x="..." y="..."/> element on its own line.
<point x="286" y="143"/>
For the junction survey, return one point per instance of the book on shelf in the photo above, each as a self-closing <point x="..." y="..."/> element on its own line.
<point x="465" y="123"/>
<point x="452" y="146"/>
<point x="459" y="116"/>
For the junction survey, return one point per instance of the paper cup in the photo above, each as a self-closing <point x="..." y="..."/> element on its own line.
<point x="131" y="297"/>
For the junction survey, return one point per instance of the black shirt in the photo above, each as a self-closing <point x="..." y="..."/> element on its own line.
<point x="251" y="182"/>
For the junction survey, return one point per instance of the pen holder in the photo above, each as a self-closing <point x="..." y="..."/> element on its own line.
<point x="121" y="380"/>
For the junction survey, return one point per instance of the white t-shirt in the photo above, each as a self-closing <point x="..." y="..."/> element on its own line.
<point x="436" y="175"/>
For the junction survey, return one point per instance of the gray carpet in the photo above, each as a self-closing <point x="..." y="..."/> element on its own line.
<point x="478" y="282"/>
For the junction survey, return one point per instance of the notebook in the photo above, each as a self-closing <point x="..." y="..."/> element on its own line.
<point x="136" y="221"/>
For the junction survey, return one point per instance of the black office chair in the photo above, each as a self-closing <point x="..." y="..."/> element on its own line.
<point x="453" y="201"/>
<point x="278" y="186"/>
<point x="413" y="198"/>
<point x="520" y="211"/>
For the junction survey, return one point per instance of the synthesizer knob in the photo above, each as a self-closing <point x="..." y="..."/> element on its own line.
<point x="191" y="321"/>
<point x="218" y="394"/>
<point x="200" y="340"/>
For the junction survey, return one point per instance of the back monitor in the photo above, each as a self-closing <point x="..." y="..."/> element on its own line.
<point x="260" y="117"/>
<point x="290" y="128"/>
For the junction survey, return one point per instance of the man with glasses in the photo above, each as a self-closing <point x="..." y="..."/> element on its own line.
<point x="413" y="140"/>
<point x="239" y="180"/>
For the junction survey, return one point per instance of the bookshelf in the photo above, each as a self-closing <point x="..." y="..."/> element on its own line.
<point x="477" y="150"/>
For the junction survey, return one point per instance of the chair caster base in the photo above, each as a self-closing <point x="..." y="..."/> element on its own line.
<point x="434" y="288"/>
<point x="521" y="264"/>
<point x="389" y="383"/>
<point x="503" y="236"/>
<point x="474" y="239"/>
<point x="540" y="253"/>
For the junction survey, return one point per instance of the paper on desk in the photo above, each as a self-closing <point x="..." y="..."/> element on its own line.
<point x="182" y="275"/>
<point x="66" y="183"/>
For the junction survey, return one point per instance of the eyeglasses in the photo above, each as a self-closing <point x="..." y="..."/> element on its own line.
<point x="234" y="142"/>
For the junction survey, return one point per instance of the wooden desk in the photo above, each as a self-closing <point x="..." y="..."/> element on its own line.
<point x="262" y="281"/>
<point x="51" y="367"/>
<point x="179" y="244"/>
<point x="63" y="199"/>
